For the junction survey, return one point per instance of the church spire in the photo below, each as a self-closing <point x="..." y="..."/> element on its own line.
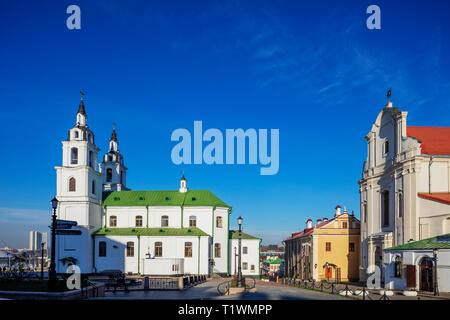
<point x="113" y="134"/>
<point x="81" y="114"/>
<point x="183" y="184"/>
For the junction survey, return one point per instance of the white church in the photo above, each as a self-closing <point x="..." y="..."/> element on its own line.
<point x="172" y="232"/>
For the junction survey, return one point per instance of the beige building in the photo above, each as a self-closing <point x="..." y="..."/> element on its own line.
<point x="327" y="251"/>
<point x="405" y="186"/>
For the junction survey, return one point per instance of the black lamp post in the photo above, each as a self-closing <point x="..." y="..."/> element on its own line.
<point x="239" y="280"/>
<point x="435" y="259"/>
<point x="42" y="261"/>
<point x="235" y="261"/>
<point x="326" y="271"/>
<point x="52" y="272"/>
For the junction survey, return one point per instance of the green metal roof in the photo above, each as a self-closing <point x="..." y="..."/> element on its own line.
<point x="275" y="261"/>
<point x="439" y="242"/>
<point x="234" y="234"/>
<point x="150" y="232"/>
<point x="162" y="198"/>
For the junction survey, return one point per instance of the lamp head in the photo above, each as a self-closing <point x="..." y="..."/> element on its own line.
<point x="54" y="202"/>
<point x="240" y="220"/>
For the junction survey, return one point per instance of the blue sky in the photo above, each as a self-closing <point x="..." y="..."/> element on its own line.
<point x="310" y="69"/>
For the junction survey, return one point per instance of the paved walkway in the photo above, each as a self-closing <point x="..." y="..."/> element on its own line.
<point x="208" y="291"/>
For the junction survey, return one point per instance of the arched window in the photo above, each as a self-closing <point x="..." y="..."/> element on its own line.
<point x="108" y="175"/>
<point x="72" y="184"/>
<point x="164" y="221"/>
<point x="158" y="249"/>
<point x="130" y="249"/>
<point x="386" y="147"/>
<point x="219" y="222"/>
<point x="188" y="249"/>
<point x="74" y="156"/>
<point x="91" y="159"/>
<point x="192" y="221"/>
<point x="138" y="221"/>
<point x="113" y="221"/>
<point x="385" y="206"/>
<point x="93" y="186"/>
<point x="102" y="249"/>
<point x="75" y="134"/>
<point x="121" y="177"/>
<point x="217" y="250"/>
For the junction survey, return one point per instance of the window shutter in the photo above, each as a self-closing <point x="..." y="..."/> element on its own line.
<point x="411" y="276"/>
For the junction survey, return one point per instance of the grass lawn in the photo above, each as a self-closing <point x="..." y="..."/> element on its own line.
<point x="30" y="285"/>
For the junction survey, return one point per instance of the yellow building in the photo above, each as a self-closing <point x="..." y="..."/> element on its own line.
<point x="327" y="251"/>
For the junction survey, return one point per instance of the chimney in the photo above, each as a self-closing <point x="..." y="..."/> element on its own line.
<point x="338" y="211"/>
<point x="345" y="210"/>
<point x="319" y="221"/>
<point x="309" y="224"/>
<point x="325" y="219"/>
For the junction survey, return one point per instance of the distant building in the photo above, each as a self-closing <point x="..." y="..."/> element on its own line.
<point x="274" y="266"/>
<point x="327" y="251"/>
<point x="36" y="240"/>
<point x="250" y="250"/>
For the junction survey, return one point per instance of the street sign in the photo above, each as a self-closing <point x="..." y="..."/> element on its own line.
<point x="69" y="222"/>
<point x="65" y="224"/>
<point x="68" y="232"/>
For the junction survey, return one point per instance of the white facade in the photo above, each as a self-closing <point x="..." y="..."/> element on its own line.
<point x="35" y="240"/>
<point x="250" y="262"/>
<point x="415" y="258"/>
<point x="401" y="169"/>
<point x="80" y="192"/>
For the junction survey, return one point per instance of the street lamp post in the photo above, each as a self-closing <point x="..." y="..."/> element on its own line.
<point x="235" y="261"/>
<point x="435" y="259"/>
<point x="239" y="280"/>
<point x="42" y="261"/>
<point x="52" y="272"/>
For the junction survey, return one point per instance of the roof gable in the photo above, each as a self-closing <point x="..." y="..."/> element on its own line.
<point x="434" y="140"/>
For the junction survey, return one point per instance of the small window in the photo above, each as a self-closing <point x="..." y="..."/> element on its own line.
<point x="219" y="222"/>
<point x="109" y="158"/>
<point x="102" y="249"/>
<point x="74" y="156"/>
<point x="244" y="250"/>
<point x="344" y="225"/>
<point x="194" y="198"/>
<point x="351" y="247"/>
<point x="158" y="249"/>
<point x="164" y="221"/>
<point x="93" y="186"/>
<point x="141" y="198"/>
<point x="386" y="147"/>
<point x="398" y="267"/>
<point x="72" y="184"/>
<point x="138" y="221"/>
<point x="91" y="159"/>
<point x="328" y="246"/>
<point x="113" y="221"/>
<point x="130" y="249"/>
<point x="192" y="221"/>
<point x="217" y="250"/>
<point x="167" y="198"/>
<point x="245" y="266"/>
<point x="188" y="249"/>
<point x="116" y="198"/>
<point x="108" y="175"/>
<point x="76" y="135"/>
<point x="252" y="268"/>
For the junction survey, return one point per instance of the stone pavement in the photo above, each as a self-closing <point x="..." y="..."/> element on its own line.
<point x="208" y="291"/>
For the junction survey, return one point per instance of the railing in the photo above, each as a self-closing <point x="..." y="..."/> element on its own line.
<point x="333" y="288"/>
<point x="224" y="287"/>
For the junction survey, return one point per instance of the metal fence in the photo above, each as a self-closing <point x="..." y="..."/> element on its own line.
<point x="335" y="288"/>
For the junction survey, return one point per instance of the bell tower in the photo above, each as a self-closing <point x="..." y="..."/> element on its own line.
<point x="113" y="168"/>
<point x="79" y="189"/>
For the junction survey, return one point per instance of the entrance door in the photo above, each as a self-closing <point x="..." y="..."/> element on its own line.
<point x="328" y="273"/>
<point x="426" y="274"/>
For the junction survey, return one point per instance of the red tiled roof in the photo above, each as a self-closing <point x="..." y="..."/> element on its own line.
<point x="439" y="196"/>
<point x="434" y="140"/>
